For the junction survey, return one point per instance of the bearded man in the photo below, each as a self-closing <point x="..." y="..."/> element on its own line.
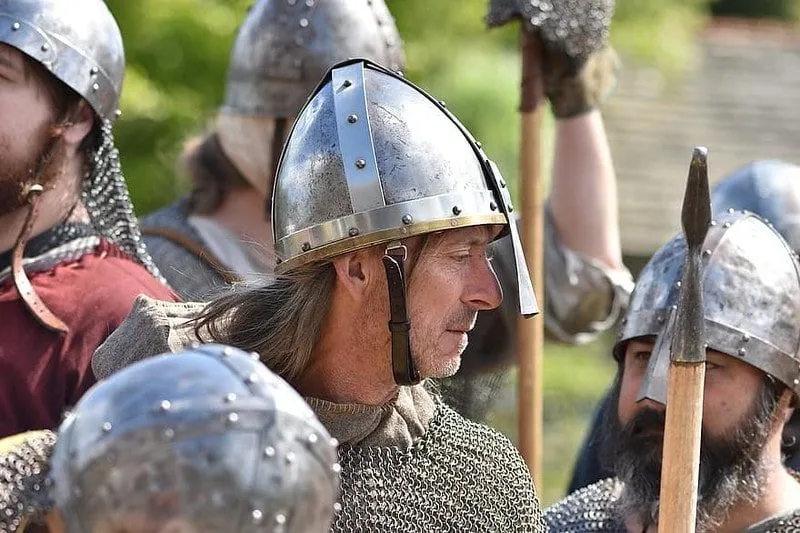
<point x="771" y="190"/>
<point x="71" y="256"/>
<point x="218" y="234"/>
<point x="211" y="441"/>
<point x="751" y="300"/>
<point x="383" y="212"/>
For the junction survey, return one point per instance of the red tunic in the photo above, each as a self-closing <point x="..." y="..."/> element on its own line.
<point x="42" y="373"/>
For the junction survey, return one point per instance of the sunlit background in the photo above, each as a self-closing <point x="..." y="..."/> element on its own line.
<point x="725" y="74"/>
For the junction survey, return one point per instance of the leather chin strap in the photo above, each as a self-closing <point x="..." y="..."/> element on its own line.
<point x="403" y="368"/>
<point x="32" y="301"/>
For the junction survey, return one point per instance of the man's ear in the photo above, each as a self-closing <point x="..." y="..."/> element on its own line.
<point x="77" y="127"/>
<point x="356" y="272"/>
<point x="786" y="404"/>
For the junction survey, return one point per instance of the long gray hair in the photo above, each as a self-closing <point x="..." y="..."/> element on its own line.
<point x="280" y="321"/>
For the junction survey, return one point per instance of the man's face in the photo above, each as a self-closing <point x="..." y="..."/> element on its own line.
<point x="27" y="113"/>
<point x="738" y="408"/>
<point x="452" y="280"/>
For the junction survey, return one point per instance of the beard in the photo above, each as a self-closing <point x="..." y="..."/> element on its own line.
<point x="731" y="468"/>
<point x="41" y="167"/>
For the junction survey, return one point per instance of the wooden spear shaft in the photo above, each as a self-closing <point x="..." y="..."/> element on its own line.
<point x="685" y="385"/>
<point x="530" y="332"/>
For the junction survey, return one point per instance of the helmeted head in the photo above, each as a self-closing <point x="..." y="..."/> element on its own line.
<point x="770" y="189"/>
<point x="63" y="65"/>
<point x="282" y="50"/>
<point x="376" y="165"/>
<point x="205" y="440"/>
<point x="751" y="308"/>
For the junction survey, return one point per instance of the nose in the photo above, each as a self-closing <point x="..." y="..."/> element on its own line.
<point x="482" y="291"/>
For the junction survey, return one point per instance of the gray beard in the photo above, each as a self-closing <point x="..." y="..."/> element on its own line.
<point x="731" y="467"/>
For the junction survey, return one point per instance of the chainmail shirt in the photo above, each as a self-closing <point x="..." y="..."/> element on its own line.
<point x="457" y="476"/>
<point x="23" y="470"/>
<point x="594" y="509"/>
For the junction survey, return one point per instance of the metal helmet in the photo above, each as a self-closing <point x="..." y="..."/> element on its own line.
<point x="770" y="189"/>
<point x="751" y="301"/>
<point x="78" y="41"/>
<point x="205" y="440"/>
<point x="373" y="159"/>
<point x="284" y="47"/>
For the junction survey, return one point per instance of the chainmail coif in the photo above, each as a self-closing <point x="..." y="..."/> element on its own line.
<point x="460" y="477"/>
<point x="23" y="472"/>
<point x="105" y="195"/>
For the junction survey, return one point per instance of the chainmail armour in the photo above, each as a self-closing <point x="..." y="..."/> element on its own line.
<point x="593" y="509"/>
<point x="459" y="477"/>
<point x="23" y="471"/>
<point x="105" y="195"/>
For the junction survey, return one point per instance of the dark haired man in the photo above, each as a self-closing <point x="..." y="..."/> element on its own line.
<point x="71" y="256"/>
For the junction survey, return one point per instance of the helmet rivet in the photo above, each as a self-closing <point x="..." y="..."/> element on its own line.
<point x="493" y="206"/>
<point x="745" y="338"/>
<point x="674" y="307"/>
<point x="360" y="163"/>
<point x="118" y="113"/>
<point x="706" y="253"/>
<point x="510" y="208"/>
<point x="306" y="246"/>
<point x="280" y="519"/>
<point x="45" y="47"/>
<point x="796" y="381"/>
<point x="713" y="222"/>
<point x="168" y="434"/>
<point x="312" y="439"/>
<point x="227" y="351"/>
<point x="107" y="427"/>
<point x="292" y="2"/>
<point x="337" y="507"/>
<point x="456" y="210"/>
<point x="347" y="83"/>
<point x="399" y="73"/>
<point x="16" y="26"/>
<point x="309" y="3"/>
<point x="93" y="71"/>
<point x="660" y="319"/>
<point x="252" y="378"/>
<point x="742" y="352"/>
<point x="726" y="225"/>
<point x="290" y="457"/>
<point x="269" y="451"/>
<point x="257" y="516"/>
<point x="407" y="219"/>
<point x="166" y="405"/>
<point x="233" y="418"/>
<point x="478" y="144"/>
<point x="503" y="183"/>
<point x="352" y="119"/>
<point x="353" y="232"/>
<point x="230" y="397"/>
<point x="333" y="442"/>
<point x="677" y="284"/>
<point x="731" y="210"/>
<point x="303" y="23"/>
<point x="441" y="103"/>
<point x="337" y="468"/>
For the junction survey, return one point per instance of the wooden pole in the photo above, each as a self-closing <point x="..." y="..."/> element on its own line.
<point x="680" y="466"/>
<point x="530" y="332"/>
<point x="680" y="472"/>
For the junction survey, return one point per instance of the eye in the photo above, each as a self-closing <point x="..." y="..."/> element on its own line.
<point x="642" y="355"/>
<point x="711" y="366"/>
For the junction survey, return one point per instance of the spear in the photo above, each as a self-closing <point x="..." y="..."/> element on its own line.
<point x="687" y="369"/>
